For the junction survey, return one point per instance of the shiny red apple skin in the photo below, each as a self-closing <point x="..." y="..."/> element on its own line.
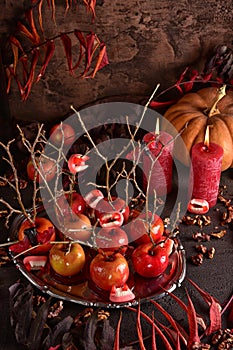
<point x="47" y="167"/>
<point x="68" y="204"/>
<point x="77" y="228"/>
<point x="67" y="261"/>
<point x="138" y="231"/>
<point x="150" y="261"/>
<point x="60" y="131"/>
<point x="45" y="233"/>
<point x="116" y="205"/>
<point x="109" y="269"/>
<point x="112" y="238"/>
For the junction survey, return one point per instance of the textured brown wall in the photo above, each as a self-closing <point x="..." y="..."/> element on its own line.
<point x="148" y="42"/>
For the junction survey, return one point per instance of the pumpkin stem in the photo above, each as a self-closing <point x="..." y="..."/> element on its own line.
<point x="213" y="109"/>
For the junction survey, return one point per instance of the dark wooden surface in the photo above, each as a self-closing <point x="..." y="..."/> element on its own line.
<point x="214" y="276"/>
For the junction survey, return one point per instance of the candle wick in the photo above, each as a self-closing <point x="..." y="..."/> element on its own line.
<point x="207" y="137"/>
<point x="157" y="127"/>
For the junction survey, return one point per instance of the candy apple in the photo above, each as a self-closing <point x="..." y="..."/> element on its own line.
<point x="108" y="269"/>
<point x="77" y="228"/>
<point x="47" y="167"/>
<point x="70" y="203"/>
<point x="141" y="226"/>
<point x="62" y="132"/>
<point x="150" y="260"/>
<point x="111" y="238"/>
<point x="67" y="260"/>
<point x="41" y="233"/>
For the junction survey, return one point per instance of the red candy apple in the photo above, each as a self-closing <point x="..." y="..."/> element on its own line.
<point x="109" y="269"/>
<point x="150" y="260"/>
<point x="142" y="225"/>
<point x="47" y="167"/>
<point x="68" y="204"/>
<point x="111" y="238"/>
<point x="67" y="260"/>
<point x="42" y="232"/>
<point x="77" y="228"/>
<point x="62" y="132"/>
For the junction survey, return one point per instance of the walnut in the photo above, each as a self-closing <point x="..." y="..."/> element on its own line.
<point x="210" y="253"/>
<point x="201" y="248"/>
<point x="201" y="237"/>
<point x="197" y="259"/>
<point x="227" y="217"/>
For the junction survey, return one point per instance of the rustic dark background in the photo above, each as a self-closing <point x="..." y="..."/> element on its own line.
<point x="148" y="42"/>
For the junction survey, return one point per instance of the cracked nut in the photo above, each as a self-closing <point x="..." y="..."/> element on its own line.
<point x="197" y="259"/>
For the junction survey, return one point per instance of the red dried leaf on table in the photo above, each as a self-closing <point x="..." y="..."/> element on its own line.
<point x="173" y="335"/>
<point x="170" y="319"/>
<point x="193" y="326"/>
<point x="214" y="311"/>
<point x="139" y="330"/>
<point x="157" y="329"/>
<point x="117" y="336"/>
<point x="153" y="339"/>
<point x="50" y="48"/>
<point x="67" y="43"/>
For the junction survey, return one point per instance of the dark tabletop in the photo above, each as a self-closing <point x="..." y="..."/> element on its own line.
<point x="214" y="275"/>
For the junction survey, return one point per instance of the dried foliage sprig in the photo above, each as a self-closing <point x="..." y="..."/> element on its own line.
<point x="218" y="69"/>
<point x="31" y="62"/>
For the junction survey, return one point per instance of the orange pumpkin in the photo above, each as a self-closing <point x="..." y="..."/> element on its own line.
<point x="193" y="112"/>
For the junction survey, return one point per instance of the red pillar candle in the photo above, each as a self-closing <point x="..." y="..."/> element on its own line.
<point x="158" y="174"/>
<point x="206" y="162"/>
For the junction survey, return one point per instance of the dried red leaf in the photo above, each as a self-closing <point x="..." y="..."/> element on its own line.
<point x="153" y="339"/>
<point x="23" y="29"/>
<point x="189" y="84"/>
<point x="139" y="330"/>
<point x="214" y="311"/>
<point x="50" y="48"/>
<point x="30" y="18"/>
<point x="172" y="334"/>
<point x="24" y="61"/>
<point x="67" y="43"/>
<point x="117" y="336"/>
<point x="40" y="18"/>
<point x="28" y="85"/>
<point x="158" y="104"/>
<point x="90" y="5"/>
<point x="157" y="329"/>
<point x="102" y="59"/>
<point x="193" y="326"/>
<point x="170" y="319"/>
